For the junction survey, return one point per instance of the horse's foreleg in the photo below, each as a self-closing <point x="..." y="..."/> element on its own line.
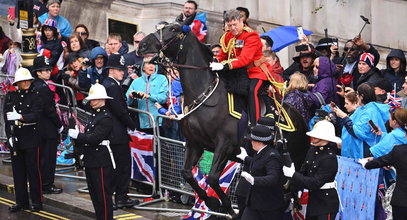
<point x="220" y="158"/>
<point x="192" y="156"/>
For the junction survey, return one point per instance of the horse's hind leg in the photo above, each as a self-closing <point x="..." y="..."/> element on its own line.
<point x="192" y="156"/>
<point x="224" y="150"/>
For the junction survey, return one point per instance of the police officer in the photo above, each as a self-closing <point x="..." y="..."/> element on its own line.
<point x="243" y="186"/>
<point x="264" y="199"/>
<point x="121" y="121"/>
<point x="98" y="157"/>
<point x="22" y="110"/>
<point x="49" y="125"/>
<point x="317" y="173"/>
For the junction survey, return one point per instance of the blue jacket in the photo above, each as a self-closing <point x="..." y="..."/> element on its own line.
<point x="62" y="24"/>
<point x="89" y="77"/>
<point x="387" y="142"/>
<point x="157" y="87"/>
<point x="176" y="92"/>
<point x="352" y="145"/>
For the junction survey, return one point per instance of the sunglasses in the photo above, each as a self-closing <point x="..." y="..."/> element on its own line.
<point x="82" y="33"/>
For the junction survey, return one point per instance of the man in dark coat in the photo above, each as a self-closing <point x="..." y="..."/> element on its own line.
<point x="265" y="198"/>
<point x="49" y="125"/>
<point x="317" y="173"/>
<point x="121" y="121"/>
<point x="22" y="109"/>
<point x="98" y="156"/>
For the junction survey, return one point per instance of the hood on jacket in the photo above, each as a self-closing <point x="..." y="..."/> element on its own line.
<point x="96" y="52"/>
<point x="326" y="67"/>
<point x="124" y="49"/>
<point x="144" y="75"/>
<point x="399" y="54"/>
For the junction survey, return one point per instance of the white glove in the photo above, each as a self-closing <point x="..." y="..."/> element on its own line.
<point x="363" y="161"/>
<point x="248" y="177"/>
<point x="289" y="171"/>
<point x="216" y="66"/>
<point x="10" y="141"/>
<point x="61" y="129"/>
<point x="73" y="133"/>
<point x="12" y="116"/>
<point x="243" y="154"/>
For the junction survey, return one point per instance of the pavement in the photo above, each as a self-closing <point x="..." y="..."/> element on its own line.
<point x="72" y="204"/>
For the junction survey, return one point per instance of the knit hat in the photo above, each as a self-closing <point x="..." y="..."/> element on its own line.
<point x="50" y="2"/>
<point x="268" y="122"/>
<point x="367" y="58"/>
<point x="261" y="133"/>
<point x="50" y="23"/>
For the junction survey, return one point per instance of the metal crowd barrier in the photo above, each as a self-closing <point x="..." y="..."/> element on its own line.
<point x="171" y="154"/>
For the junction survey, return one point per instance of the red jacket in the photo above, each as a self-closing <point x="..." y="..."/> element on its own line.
<point x="241" y="51"/>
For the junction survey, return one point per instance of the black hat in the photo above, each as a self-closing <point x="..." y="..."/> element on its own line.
<point x="41" y="63"/>
<point x="268" y="122"/>
<point x="116" y="61"/>
<point x="71" y="58"/>
<point x="302" y="54"/>
<point x="261" y="133"/>
<point x="325" y="42"/>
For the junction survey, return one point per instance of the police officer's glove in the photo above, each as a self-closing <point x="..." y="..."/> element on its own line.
<point x="363" y="161"/>
<point x="73" y="133"/>
<point x="10" y="142"/>
<point x="61" y="129"/>
<point x="216" y="66"/>
<point x="243" y="154"/>
<point x="248" y="177"/>
<point x="289" y="171"/>
<point x="12" y="116"/>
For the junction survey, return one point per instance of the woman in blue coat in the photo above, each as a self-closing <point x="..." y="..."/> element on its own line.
<point x="150" y="88"/>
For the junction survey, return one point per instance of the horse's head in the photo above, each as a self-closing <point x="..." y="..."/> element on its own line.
<point x="166" y="39"/>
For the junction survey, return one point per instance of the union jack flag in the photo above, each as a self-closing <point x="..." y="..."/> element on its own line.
<point x="3" y="147"/>
<point x="142" y="154"/>
<point x="224" y="181"/>
<point x="6" y="86"/>
<point x="393" y="100"/>
<point x="198" y="26"/>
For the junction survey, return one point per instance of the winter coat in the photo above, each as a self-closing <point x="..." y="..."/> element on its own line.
<point x="296" y="67"/>
<point x="353" y="139"/>
<point x="326" y="82"/>
<point x="89" y="77"/>
<point x="372" y="76"/>
<point x="302" y="101"/>
<point x="62" y="24"/>
<point x="396" y="78"/>
<point x="55" y="48"/>
<point x="156" y="85"/>
<point x="10" y="63"/>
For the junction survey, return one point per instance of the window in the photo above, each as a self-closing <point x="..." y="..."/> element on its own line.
<point x="125" y="29"/>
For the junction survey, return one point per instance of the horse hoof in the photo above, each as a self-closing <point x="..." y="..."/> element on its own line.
<point x="212" y="203"/>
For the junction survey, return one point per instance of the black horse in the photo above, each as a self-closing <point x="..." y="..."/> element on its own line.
<point x="208" y="125"/>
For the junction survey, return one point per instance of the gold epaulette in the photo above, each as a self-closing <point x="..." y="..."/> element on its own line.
<point x="247" y="29"/>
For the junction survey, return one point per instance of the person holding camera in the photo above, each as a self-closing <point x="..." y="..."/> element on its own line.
<point x="21" y="112"/>
<point x="97" y="150"/>
<point x="147" y="90"/>
<point x="93" y="68"/>
<point x="317" y="173"/>
<point x="121" y="122"/>
<point x="49" y="125"/>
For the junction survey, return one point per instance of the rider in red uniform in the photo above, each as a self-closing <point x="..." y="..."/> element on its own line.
<point x="241" y="47"/>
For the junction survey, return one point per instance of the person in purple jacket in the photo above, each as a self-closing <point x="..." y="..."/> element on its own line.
<point x="324" y="89"/>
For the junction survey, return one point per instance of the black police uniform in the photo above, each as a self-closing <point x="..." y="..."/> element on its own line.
<point x="120" y="141"/>
<point x="320" y="167"/>
<point x="48" y="126"/>
<point x="25" y="150"/>
<point x="396" y="158"/>
<point x="265" y="198"/>
<point x="97" y="161"/>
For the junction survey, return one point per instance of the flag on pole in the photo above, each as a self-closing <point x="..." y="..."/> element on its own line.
<point x="142" y="154"/>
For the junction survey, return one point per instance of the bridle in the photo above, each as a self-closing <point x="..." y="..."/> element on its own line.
<point x="165" y="61"/>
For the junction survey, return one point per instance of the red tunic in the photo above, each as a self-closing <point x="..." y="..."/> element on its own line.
<point x="242" y="50"/>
